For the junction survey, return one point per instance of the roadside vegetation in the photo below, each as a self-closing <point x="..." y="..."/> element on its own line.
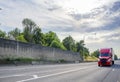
<point x="90" y="59"/>
<point x="23" y="60"/>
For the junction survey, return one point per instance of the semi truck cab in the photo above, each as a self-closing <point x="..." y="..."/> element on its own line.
<point x="106" y="57"/>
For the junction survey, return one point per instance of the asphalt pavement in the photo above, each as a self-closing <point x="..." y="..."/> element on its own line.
<point x="77" y="72"/>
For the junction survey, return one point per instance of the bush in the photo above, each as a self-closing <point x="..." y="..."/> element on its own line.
<point x="23" y="59"/>
<point x="20" y="60"/>
<point x="62" y="61"/>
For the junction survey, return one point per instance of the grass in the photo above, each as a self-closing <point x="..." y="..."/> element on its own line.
<point x="90" y="58"/>
<point x="9" y="60"/>
<point x="23" y="60"/>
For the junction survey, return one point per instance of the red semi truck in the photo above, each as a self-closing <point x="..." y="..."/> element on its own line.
<point x="106" y="57"/>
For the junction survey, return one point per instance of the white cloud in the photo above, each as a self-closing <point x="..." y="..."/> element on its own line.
<point x="83" y="6"/>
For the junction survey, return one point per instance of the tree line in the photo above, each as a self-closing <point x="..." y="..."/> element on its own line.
<point x="32" y="33"/>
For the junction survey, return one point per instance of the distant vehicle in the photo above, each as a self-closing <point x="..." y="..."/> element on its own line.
<point x="106" y="57"/>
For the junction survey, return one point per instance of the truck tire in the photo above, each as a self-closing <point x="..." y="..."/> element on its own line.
<point x="99" y="65"/>
<point x="112" y="62"/>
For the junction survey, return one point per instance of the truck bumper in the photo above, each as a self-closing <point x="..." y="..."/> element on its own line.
<point x="104" y="63"/>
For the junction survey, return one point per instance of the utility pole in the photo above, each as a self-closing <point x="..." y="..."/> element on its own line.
<point x="17" y="47"/>
<point x="83" y="46"/>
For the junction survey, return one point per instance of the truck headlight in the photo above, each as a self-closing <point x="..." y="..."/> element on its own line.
<point x="98" y="59"/>
<point x="109" y="60"/>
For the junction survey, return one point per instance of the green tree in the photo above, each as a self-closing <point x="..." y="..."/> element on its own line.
<point x="69" y="43"/>
<point x="81" y="49"/>
<point x="21" y="38"/>
<point x="50" y="37"/>
<point x="57" y="44"/>
<point x="80" y="45"/>
<point x="115" y="57"/>
<point x="95" y="53"/>
<point x="2" y="34"/>
<point x="38" y="36"/>
<point x="14" y="33"/>
<point x="29" y="27"/>
<point x="86" y="51"/>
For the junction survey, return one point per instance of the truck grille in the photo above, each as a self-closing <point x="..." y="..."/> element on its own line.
<point x="103" y="61"/>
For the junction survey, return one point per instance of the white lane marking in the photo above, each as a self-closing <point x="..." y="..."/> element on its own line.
<point x="113" y="69"/>
<point x="59" y="73"/>
<point x="35" y="76"/>
<point x="11" y="76"/>
<point x="17" y="75"/>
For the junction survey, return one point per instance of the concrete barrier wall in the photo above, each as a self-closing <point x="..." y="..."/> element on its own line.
<point x="14" y="49"/>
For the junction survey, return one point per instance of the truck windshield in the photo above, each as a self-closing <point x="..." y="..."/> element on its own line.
<point x="104" y="54"/>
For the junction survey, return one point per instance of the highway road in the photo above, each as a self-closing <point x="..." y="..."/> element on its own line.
<point x="80" y="72"/>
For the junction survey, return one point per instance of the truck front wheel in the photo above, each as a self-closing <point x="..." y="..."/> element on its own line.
<point x="112" y="62"/>
<point x="99" y="65"/>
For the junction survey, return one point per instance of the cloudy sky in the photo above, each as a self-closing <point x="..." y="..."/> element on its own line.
<point x="96" y="21"/>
